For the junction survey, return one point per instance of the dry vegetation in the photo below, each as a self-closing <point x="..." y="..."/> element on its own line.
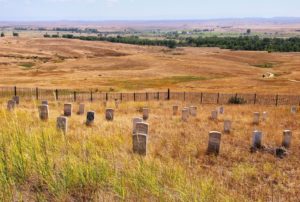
<point x="37" y="162"/>
<point x="66" y="63"/>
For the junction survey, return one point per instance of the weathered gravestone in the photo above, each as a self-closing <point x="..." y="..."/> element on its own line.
<point x="221" y="110"/>
<point x="11" y="104"/>
<point x="90" y="118"/>
<point x="16" y="99"/>
<point x="117" y="102"/>
<point x="227" y="126"/>
<point x="134" y="122"/>
<point x="265" y="116"/>
<point x="214" y="143"/>
<point x="62" y="124"/>
<point x="175" y="110"/>
<point x="45" y="102"/>
<point x="214" y="115"/>
<point x="185" y="114"/>
<point x="287" y="138"/>
<point x="193" y="111"/>
<point x="81" y="109"/>
<point x="142" y="128"/>
<point x="257" y="139"/>
<point x="139" y="144"/>
<point x="145" y="113"/>
<point x="140" y="138"/>
<point x="109" y="114"/>
<point x="293" y="109"/>
<point x="256" y="118"/>
<point x="44" y="112"/>
<point x="68" y="109"/>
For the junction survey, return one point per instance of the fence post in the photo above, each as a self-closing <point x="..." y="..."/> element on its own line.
<point x="121" y="97"/>
<point x="75" y="97"/>
<point x="147" y="98"/>
<point x="157" y="95"/>
<point x="106" y="97"/>
<point x="277" y="100"/>
<point x="91" y="96"/>
<point x="56" y="94"/>
<point x="168" y="93"/>
<point x="37" y="93"/>
<point x="15" y="90"/>
<point x="134" y="96"/>
<point x="183" y="96"/>
<point x="255" y="98"/>
<point x="201" y="98"/>
<point x="218" y="99"/>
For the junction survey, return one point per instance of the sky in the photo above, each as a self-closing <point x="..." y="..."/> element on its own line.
<point x="97" y="10"/>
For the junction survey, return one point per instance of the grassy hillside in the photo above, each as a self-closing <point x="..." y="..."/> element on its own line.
<point x="76" y="64"/>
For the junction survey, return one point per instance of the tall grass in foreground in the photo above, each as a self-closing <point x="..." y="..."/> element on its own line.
<point x="39" y="163"/>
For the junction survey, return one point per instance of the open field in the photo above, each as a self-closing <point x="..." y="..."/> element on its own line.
<point x="37" y="162"/>
<point x="62" y="63"/>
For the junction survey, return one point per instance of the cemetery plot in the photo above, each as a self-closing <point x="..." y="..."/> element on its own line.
<point x="159" y="148"/>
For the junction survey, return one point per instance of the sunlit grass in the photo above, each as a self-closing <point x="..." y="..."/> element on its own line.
<point x="40" y="163"/>
<point x="144" y="83"/>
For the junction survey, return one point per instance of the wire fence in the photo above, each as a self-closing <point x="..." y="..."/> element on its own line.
<point x="69" y="95"/>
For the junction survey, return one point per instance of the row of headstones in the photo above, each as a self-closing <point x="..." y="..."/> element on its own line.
<point x="11" y="104"/>
<point x="140" y="139"/>
<point x="215" y="137"/>
<point x="140" y="128"/>
<point x="90" y="118"/>
<point x="62" y="121"/>
<point x="192" y="111"/>
<point x="215" y="141"/>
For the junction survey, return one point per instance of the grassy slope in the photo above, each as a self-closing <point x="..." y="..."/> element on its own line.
<point x="61" y="63"/>
<point x="39" y="163"/>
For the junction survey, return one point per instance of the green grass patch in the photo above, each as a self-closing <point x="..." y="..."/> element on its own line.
<point x="153" y="83"/>
<point x="265" y="65"/>
<point x="27" y="65"/>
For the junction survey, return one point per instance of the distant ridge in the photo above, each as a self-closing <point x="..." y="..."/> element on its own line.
<point x="284" y="20"/>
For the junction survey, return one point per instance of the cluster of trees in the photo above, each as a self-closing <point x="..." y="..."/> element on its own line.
<point x="246" y="43"/>
<point x="66" y="29"/>
<point x="20" y="28"/>
<point x="75" y="30"/>
<point x="253" y="43"/>
<point x="15" y="34"/>
<point x="51" y="36"/>
<point x="128" y="40"/>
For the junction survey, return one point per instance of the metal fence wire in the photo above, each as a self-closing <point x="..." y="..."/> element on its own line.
<point x="69" y="95"/>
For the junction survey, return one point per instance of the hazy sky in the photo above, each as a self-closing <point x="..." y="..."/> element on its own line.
<point x="144" y="9"/>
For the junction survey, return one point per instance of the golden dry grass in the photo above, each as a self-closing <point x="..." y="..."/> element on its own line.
<point x="97" y="163"/>
<point x="62" y="63"/>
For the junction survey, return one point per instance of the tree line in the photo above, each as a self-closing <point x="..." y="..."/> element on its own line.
<point x="251" y="43"/>
<point x="15" y="34"/>
<point x="127" y="40"/>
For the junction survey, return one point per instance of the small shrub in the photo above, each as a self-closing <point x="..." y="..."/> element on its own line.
<point x="47" y="35"/>
<point x="236" y="100"/>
